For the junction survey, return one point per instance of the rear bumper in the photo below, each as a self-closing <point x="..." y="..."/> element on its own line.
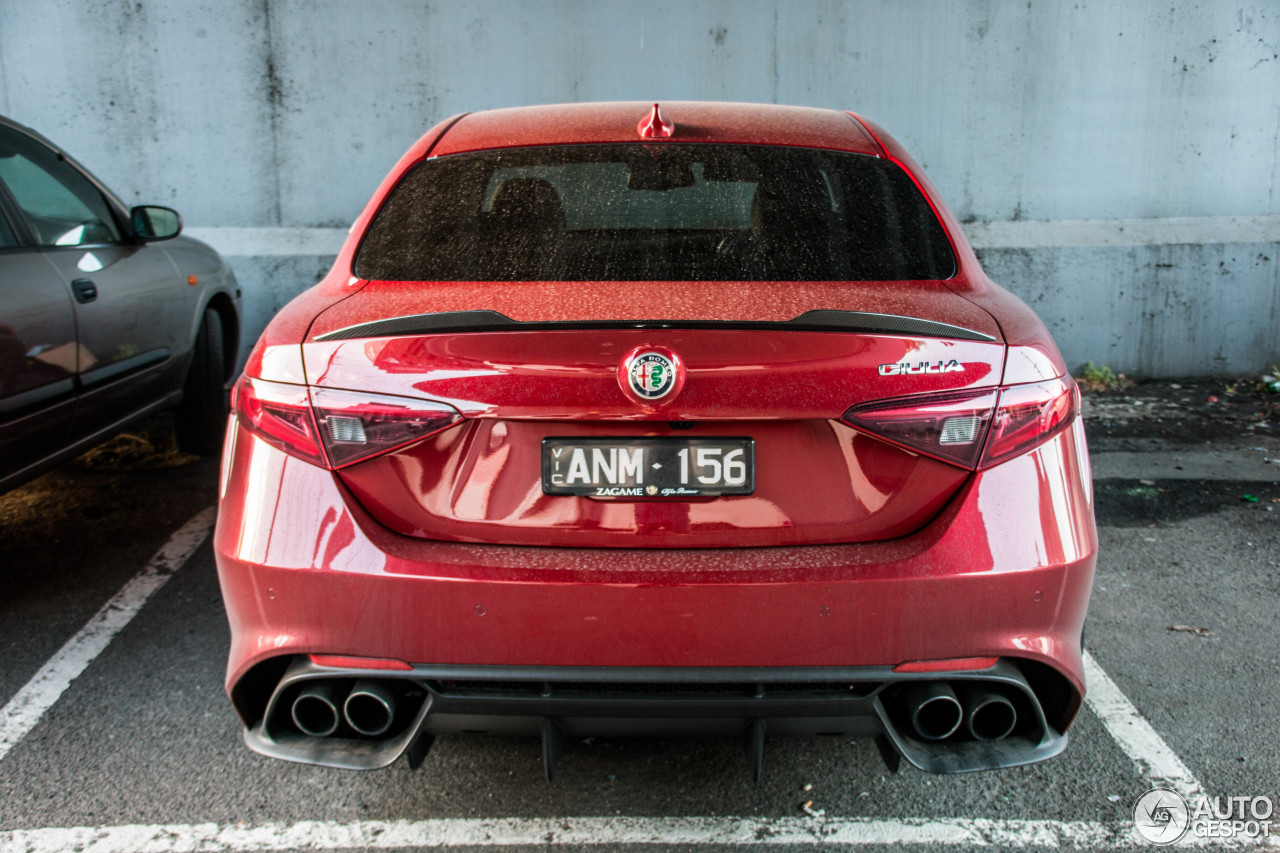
<point x="1004" y="571"/>
<point x="558" y="702"/>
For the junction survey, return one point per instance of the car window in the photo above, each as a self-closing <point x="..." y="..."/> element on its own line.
<point x="656" y="212"/>
<point x="63" y="207"/>
<point x="595" y="195"/>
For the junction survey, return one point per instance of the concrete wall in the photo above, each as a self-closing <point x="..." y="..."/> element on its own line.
<point x="280" y="114"/>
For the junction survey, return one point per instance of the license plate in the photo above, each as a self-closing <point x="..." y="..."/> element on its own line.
<point x="648" y="467"/>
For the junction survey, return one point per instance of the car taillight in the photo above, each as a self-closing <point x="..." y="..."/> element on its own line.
<point x="975" y="429"/>
<point x="355" y="426"/>
<point x="1030" y="415"/>
<point x="335" y="428"/>
<point x="949" y="426"/>
<point x="280" y="415"/>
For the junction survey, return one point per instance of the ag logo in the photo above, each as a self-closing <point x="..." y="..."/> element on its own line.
<point x="651" y="375"/>
<point x="1161" y="816"/>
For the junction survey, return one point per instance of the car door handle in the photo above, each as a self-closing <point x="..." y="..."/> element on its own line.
<point x="85" y="290"/>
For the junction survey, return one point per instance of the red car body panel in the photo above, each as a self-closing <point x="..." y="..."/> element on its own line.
<point x="947" y="591"/>
<point x="480" y="481"/>
<point x="853" y="550"/>
<point x="579" y="124"/>
<point x="571" y="374"/>
<point x="568" y="301"/>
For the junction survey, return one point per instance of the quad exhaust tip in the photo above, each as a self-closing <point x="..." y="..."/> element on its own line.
<point x="934" y="709"/>
<point x="936" y="712"/>
<point x="370" y="708"/>
<point x="315" y="711"/>
<point x="991" y="715"/>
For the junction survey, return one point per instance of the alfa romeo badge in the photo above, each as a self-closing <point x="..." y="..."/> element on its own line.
<point x="651" y="375"/>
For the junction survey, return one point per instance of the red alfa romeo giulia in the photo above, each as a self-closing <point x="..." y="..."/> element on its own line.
<point x="620" y="419"/>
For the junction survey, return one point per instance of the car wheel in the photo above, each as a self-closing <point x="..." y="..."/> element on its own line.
<point x="202" y="417"/>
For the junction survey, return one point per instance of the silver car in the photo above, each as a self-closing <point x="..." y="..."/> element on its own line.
<point x="106" y="314"/>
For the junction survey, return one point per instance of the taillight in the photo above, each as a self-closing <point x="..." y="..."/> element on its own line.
<point x="335" y="428"/>
<point x="975" y="429"/>
<point x="355" y="426"/>
<point x="1030" y="415"/>
<point x="280" y="415"/>
<point x="949" y="426"/>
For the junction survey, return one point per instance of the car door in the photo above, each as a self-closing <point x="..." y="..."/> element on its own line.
<point x="38" y="354"/>
<point x="130" y="306"/>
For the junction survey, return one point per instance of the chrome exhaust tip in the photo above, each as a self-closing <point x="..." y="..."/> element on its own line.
<point x="991" y="715"/>
<point x="370" y="708"/>
<point x="315" y="711"/>
<point x="934" y="710"/>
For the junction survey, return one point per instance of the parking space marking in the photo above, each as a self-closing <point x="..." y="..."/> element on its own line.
<point x="1156" y="761"/>
<point x="29" y="704"/>
<point x="581" y="831"/>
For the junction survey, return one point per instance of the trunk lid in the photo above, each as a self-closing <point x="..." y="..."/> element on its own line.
<point x="765" y="361"/>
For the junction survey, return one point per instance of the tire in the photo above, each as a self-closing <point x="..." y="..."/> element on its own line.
<point x="201" y="420"/>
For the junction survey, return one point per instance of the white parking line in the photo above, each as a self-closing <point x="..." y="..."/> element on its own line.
<point x="582" y="831"/>
<point x="28" y="705"/>
<point x="1156" y="761"/>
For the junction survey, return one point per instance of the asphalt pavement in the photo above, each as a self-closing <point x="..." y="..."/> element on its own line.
<point x="141" y="750"/>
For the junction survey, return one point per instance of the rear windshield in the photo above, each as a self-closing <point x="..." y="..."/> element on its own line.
<point x="634" y="212"/>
